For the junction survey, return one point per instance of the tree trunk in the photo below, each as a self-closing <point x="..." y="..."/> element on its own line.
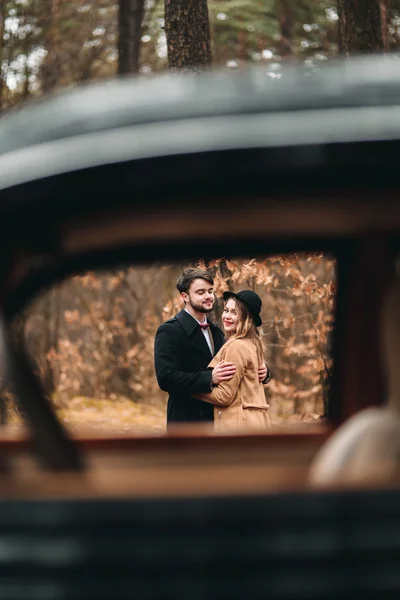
<point x="50" y="69"/>
<point x="131" y="13"/>
<point x="187" y="28"/>
<point x="340" y="27"/>
<point x="25" y="93"/>
<point x="384" y="7"/>
<point x="285" y="18"/>
<point x="361" y="26"/>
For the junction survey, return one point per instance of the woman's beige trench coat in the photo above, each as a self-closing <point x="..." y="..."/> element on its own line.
<point x="239" y="404"/>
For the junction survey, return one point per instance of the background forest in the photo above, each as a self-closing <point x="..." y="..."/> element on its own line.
<point x="48" y="44"/>
<point x="92" y="337"/>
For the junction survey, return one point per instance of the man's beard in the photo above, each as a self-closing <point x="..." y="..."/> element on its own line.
<point x="200" y="307"/>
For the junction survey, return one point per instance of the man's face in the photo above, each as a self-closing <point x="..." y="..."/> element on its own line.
<point x="200" y="296"/>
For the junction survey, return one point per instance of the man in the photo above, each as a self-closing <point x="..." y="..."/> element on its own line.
<point x="184" y="346"/>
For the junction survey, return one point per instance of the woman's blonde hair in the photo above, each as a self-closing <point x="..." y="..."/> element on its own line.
<point x="246" y="328"/>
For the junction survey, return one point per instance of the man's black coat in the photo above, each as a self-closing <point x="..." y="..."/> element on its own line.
<point x="182" y="356"/>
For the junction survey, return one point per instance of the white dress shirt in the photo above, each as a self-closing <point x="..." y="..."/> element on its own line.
<point x="206" y="332"/>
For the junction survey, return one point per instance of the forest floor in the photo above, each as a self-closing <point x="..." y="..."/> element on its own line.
<point x="129" y="417"/>
<point x="122" y="415"/>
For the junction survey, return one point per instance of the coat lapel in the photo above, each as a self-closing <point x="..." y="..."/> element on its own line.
<point x="194" y="333"/>
<point x="218" y="337"/>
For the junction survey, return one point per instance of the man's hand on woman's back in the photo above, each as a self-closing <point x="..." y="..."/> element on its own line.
<point x="224" y="371"/>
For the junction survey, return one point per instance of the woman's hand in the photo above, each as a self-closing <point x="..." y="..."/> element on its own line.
<point x="224" y="371"/>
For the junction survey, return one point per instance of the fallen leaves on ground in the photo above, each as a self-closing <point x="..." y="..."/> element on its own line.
<point x="121" y="414"/>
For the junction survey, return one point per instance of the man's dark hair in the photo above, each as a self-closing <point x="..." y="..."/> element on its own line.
<point x="189" y="275"/>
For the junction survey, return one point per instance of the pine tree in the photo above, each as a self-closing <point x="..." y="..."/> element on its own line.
<point x="187" y="29"/>
<point x="250" y="30"/>
<point x="361" y="26"/>
<point x="131" y="13"/>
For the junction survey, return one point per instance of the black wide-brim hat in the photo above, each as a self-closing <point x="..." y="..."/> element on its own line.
<point x="251" y="300"/>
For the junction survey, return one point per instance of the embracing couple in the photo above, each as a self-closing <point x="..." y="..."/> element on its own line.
<point x="209" y="376"/>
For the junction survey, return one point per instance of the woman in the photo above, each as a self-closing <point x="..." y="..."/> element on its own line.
<point x="240" y="402"/>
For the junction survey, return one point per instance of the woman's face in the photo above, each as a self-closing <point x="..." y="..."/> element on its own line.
<point x="230" y="317"/>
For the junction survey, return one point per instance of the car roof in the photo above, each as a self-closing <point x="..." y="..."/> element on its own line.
<point x="128" y="118"/>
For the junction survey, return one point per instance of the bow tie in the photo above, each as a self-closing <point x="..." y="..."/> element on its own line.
<point x="204" y="325"/>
